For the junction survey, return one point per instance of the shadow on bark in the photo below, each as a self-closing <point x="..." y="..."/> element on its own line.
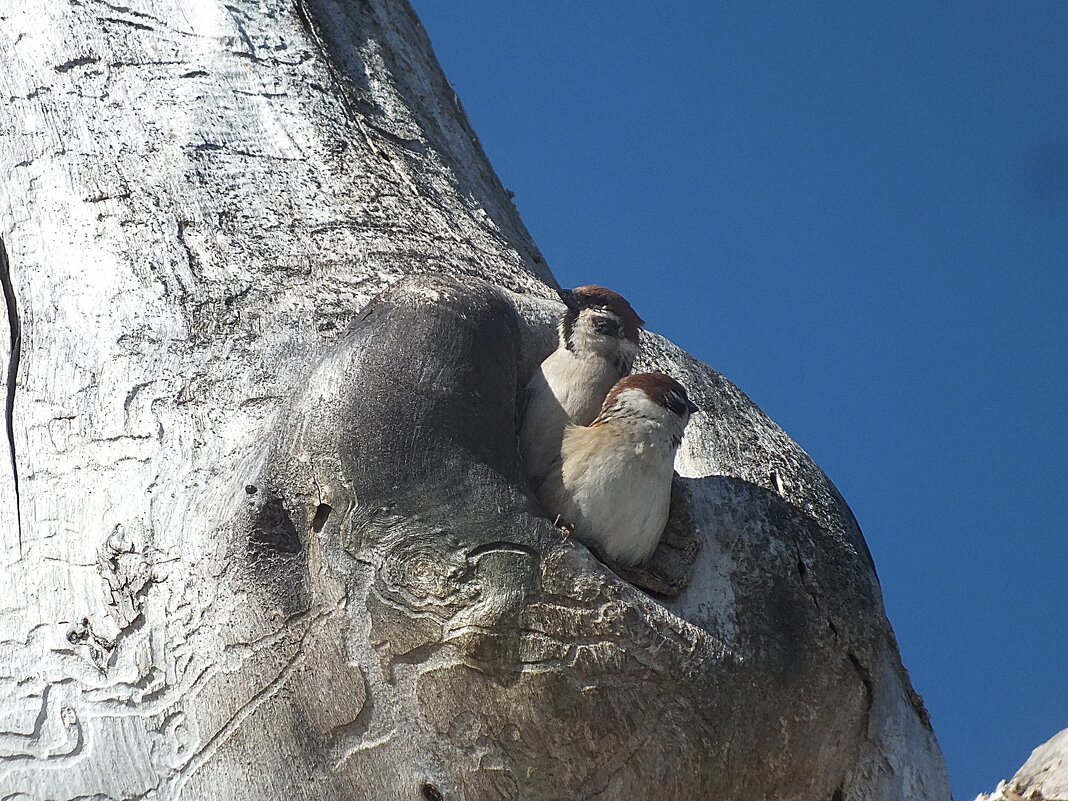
<point x="470" y="616"/>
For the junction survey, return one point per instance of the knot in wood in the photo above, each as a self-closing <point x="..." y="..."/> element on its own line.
<point x="422" y="577"/>
<point x="425" y="573"/>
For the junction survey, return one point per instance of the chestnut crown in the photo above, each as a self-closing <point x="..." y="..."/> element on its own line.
<point x="660" y="388"/>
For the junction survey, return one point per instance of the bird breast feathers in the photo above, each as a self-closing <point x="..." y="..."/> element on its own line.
<point x="579" y="384"/>
<point x="605" y="448"/>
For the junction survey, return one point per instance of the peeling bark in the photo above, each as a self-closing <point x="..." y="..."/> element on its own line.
<point x="274" y="539"/>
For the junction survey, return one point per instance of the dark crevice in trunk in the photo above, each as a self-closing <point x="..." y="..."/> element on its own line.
<point x="322" y="514"/>
<point x="865" y="678"/>
<point x="12" y="374"/>
<point x="311" y="26"/>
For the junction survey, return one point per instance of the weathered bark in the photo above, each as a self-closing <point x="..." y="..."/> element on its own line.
<point x="270" y="538"/>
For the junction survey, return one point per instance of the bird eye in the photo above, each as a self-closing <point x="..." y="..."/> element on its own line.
<point x="680" y="404"/>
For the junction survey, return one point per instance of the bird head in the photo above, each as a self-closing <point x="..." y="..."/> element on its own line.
<point x="655" y="396"/>
<point x="598" y="320"/>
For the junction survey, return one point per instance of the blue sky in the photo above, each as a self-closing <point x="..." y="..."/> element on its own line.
<point x="858" y="212"/>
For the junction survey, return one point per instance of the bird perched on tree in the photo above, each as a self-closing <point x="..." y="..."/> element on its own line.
<point x="597" y="345"/>
<point x="612" y="483"/>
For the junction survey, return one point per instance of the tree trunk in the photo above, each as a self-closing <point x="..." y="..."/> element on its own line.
<point x="1043" y="777"/>
<point x="265" y="529"/>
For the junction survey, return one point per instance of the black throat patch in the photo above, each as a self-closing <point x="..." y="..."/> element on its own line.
<point x="567" y="328"/>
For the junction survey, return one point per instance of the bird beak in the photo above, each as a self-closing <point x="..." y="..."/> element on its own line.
<point x="692" y="407"/>
<point x="570" y="299"/>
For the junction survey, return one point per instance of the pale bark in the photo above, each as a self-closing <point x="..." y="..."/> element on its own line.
<point x="1043" y="777"/>
<point x="274" y="538"/>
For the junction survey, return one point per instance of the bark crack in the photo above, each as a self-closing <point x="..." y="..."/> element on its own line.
<point x="12" y="373"/>
<point x="82" y="61"/>
<point x="865" y="677"/>
<point x="245" y="711"/>
<point x="347" y="101"/>
<point x="119" y="21"/>
<point x="127" y="10"/>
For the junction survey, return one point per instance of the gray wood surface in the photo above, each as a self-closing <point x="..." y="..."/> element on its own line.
<point x="270" y="538"/>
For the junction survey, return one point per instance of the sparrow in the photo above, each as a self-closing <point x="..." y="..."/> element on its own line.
<point x="597" y="344"/>
<point x="611" y="485"/>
